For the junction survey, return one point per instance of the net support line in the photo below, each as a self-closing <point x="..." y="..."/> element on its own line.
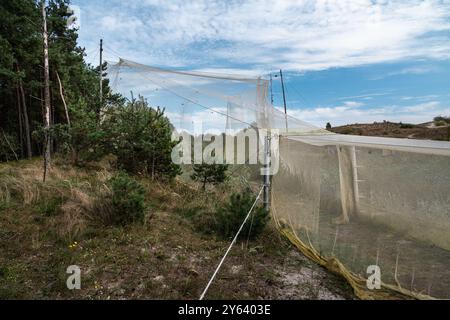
<point x="231" y="245"/>
<point x="196" y="102"/>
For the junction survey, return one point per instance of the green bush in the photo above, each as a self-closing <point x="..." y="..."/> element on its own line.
<point x="406" y="126"/>
<point x="229" y="218"/>
<point x="347" y="131"/>
<point x="442" y="120"/>
<point x="210" y="173"/>
<point x="125" y="201"/>
<point x="49" y="207"/>
<point x="86" y="138"/>
<point x="141" y="139"/>
<point x="83" y="141"/>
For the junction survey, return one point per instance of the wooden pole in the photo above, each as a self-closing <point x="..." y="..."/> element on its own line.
<point x="47" y="155"/>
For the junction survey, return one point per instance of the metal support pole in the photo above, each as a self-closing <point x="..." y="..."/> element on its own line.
<point x="271" y="89"/>
<point x="284" y="100"/>
<point x="284" y="92"/>
<point x="355" y="178"/>
<point x="266" y="176"/>
<point x="101" y="73"/>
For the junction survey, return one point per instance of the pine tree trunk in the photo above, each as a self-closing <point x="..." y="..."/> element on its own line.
<point x="10" y="146"/>
<point x="47" y="115"/>
<point x="61" y="92"/>
<point x="52" y="119"/>
<point x="19" y="116"/>
<point x="26" y="121"/>
<point x="153" y="168"/>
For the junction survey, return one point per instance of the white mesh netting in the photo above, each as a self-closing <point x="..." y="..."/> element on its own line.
<point x="360" y="201"/>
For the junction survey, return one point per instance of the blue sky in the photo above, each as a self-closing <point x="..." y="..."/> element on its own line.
<point x="344" y="61"/>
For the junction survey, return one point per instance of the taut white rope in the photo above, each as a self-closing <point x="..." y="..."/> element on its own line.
<point x="231" y="245"/>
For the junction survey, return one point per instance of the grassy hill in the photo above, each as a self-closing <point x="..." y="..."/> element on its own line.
<point x="429" y="131"/>
<point x="44" y="228"/>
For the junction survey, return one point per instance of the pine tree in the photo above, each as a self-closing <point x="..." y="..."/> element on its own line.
<point x="209" y="173"/>
<point x="21" y="78"/>
<point x="141" y="138"/>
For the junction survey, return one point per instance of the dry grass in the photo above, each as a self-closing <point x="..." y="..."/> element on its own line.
<point x="165" y="258"/>
<point x="75" y="214"/>
<point x="77" y="191"/>
<point x="24" y="188"/>
<point x="25" y="184"/>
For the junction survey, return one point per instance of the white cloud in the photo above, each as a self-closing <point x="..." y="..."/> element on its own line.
<point x="347" y="113"/>
<point x="368" y="96"/>
<point x="344" y="114"/>
<point x="353" y="104"/>
<point x="261" y="35"/>
<point x="295" y="35"/>
<point x="421" y="98"/>
<point x="417" y="70"/>
<point x="232" y="71"/>
<point x="433" y="105"/>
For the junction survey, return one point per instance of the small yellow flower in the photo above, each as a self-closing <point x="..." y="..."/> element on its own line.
<point x="73" y="245"/>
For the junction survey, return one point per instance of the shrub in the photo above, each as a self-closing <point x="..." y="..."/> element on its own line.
<point x="141" y="139"/>
<point x="125" y="201"/>
<point x="229" y="218"/>
<point x="406" y="126"/>
<point x="442" y="120"/>
<point x="83" y="140"/>
<point x="347" y="131"/>
<point x="209" y="173"/>
<point x="85" y="136"/>
<point x="49" y="207"/>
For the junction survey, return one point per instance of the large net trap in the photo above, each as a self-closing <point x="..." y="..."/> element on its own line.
<point x="368" y="208"/>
